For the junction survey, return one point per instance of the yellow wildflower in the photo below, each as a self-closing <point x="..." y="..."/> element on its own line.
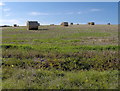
<point x="12" y="65"/>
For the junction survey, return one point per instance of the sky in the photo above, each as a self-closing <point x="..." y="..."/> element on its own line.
<point x="56" y="12"/>
<point x="60" y="0"/>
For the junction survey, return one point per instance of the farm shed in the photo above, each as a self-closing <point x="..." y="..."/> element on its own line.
<point x="64" y="23"/>
<point x="91" y="23"/>
<point x="32" y="25"/>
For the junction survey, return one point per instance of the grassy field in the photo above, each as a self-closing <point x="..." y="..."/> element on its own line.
<point x="57" y="57"/>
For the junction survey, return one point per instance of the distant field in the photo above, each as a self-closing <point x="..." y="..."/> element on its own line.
<point x="63" y="55"/>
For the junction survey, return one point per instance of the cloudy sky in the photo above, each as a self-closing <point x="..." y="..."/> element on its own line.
<point x="55" y="13"/>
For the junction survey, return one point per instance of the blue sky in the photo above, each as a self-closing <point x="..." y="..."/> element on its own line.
<point x="55" y="13"/>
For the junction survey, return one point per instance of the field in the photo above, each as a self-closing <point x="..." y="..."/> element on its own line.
<point x="57" y="57"/>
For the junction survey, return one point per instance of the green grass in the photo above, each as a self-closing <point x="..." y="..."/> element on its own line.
<point x="56" y="57"/>
<point x="56" y="79"/>
<point x="59" y="48"/>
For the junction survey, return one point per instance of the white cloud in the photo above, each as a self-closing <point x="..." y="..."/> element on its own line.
<point x="8" y="21"/>
<point x="56" y="13"/>
<point x="38" y="13"/>
<point x="6" y="9"/>
<point x="2" y="4"/>
<point x="7" y="14"/>
<point x="69" y="13"/>
<point x="94" y="10"/>
<point x="79" y="12"/>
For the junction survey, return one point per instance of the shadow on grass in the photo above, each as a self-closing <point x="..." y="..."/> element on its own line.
<point x="41" y="29"/>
